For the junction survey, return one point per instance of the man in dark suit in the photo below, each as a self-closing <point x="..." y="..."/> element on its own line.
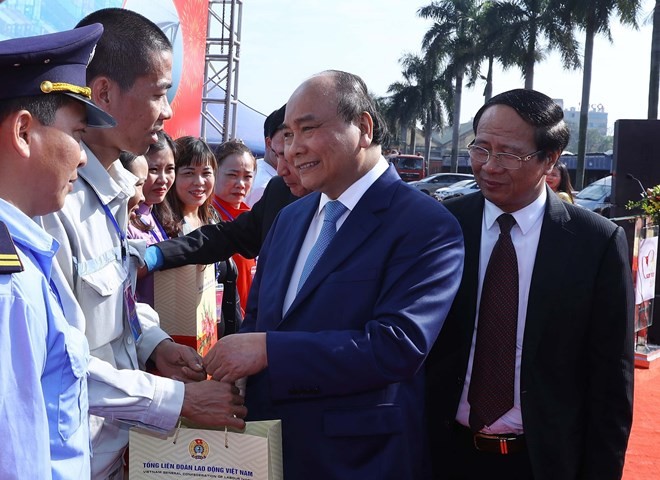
<point x="245" y="235"/>
<point x="336" y="350"/>
<point x="565" y="386"/>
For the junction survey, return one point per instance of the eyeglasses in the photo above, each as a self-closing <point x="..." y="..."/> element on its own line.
<point x="504" y="160"/>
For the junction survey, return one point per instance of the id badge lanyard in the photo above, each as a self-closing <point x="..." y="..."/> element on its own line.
<point x="129" y="298"/>
<point x="217" y="205"/>
<point x="122" y="235"/>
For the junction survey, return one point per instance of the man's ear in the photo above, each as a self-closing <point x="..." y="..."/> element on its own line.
<point x="103" y="91"/>
<point x="366" y="126"/>
<point x="18" y="130"/>
<point x="551" y="161"/>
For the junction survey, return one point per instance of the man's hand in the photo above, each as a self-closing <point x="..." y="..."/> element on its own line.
<point x="237" y="356"/>
<point x="179" y="362"/>
<point x="214" y="404"/>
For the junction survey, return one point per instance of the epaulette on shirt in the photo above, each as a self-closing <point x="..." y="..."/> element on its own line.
<point x="10" y="262"/>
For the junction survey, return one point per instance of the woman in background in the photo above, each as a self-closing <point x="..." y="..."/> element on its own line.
<point x="236" y="170"/>
<point x="560" y="182"/>
<point x="160" y="159"/>
<point x="190" y="202"/>
<point x="137" y="165"/>
<point x="190" y="197"/>
<point x="144" y="225"/>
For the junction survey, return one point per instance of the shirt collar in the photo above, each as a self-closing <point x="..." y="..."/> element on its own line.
<point x="108" y="184"/>
<point x="354" y="193"/>
<point x="29" y="235"/>
<point x="525" y="217"/>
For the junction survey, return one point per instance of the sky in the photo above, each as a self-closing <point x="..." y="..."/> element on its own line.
<point x="285" y="41"/>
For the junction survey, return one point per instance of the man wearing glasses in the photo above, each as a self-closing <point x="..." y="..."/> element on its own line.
<point x="532" y="374"/>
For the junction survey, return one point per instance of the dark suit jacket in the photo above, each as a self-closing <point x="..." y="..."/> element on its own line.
<point x="245" y="235"/>
<point x="344" y="363"/>
<point x="577" y="361"/>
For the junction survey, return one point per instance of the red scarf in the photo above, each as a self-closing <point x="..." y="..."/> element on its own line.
<point x="226" y="211"/>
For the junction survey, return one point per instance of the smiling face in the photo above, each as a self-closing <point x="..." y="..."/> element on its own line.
<point x="161" y="176"/>
<point x="194" y="184"/>
<point x="141" y="110"/>
<point x="502" y="130"/>
<point x="327" y="150"/>
<point x="57" y="152"/>
<point x="235" y="176"/>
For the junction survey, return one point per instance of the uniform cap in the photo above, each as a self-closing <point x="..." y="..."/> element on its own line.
<point x="52" y="63"/>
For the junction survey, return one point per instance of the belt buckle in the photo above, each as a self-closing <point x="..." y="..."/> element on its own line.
<point x="503" y="441"/>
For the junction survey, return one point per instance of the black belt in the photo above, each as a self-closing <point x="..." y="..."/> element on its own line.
<point x="503" y="443"/>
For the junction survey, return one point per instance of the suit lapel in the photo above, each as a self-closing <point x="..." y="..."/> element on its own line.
<point x="555" y="237"/>
<point x="469" y="212"/>
<point x="353" y="234"/>
<point x="288" y="235"/>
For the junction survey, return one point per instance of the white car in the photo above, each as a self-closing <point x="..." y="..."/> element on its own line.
<point x="456" y="190"/>
<point x="431" y="183"/>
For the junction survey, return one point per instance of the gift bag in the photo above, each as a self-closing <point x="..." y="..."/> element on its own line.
<point x="184" y="298"/>
<point x="187" y="452"/>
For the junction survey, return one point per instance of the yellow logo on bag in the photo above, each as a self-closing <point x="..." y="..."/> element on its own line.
<point x="198" y="449"/>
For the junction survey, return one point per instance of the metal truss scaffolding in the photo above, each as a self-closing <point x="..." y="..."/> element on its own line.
<point x="223" y="45"/>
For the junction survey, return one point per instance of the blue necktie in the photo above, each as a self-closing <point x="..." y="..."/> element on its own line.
<point x="333" y="210"/>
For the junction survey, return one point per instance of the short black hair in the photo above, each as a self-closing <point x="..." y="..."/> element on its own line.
<point x="353" y="99"/>
<point x="274" y="122"/>
<point x="539" y="111"/>
<point x="42" y="107"/>
<point x="124" y="51"/>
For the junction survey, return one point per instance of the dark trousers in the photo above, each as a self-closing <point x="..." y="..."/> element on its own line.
<point x="468" y="463"/>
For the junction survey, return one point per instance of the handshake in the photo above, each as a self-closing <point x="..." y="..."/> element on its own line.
<point x="216" y="402"/>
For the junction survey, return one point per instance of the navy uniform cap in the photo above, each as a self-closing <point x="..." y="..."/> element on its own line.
<point x="52" y="63"/>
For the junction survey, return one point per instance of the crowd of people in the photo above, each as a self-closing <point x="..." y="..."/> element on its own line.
<point x="395" y="337"/>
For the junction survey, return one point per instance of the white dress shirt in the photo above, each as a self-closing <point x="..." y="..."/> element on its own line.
<point x="265" y="172"/>
<point x="525" y="235"/>
<point x="349" y="199"/>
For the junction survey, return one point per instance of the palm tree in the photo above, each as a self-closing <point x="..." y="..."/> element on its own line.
<point x="434" y="95"/>
<point x="404" y="104"/>
<point x="523" y="23"/>
<point x="451" y="38"/>
<point x="495" y="44"/>
<point x="594" y="18"/>
<point x="423" y="97"/>
<point x="654" y="81"/>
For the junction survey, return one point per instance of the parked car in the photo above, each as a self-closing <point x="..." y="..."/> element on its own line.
<point x="431" y="183"/>
<point x="458" y="189"/>
<point x="596" y="196"/>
